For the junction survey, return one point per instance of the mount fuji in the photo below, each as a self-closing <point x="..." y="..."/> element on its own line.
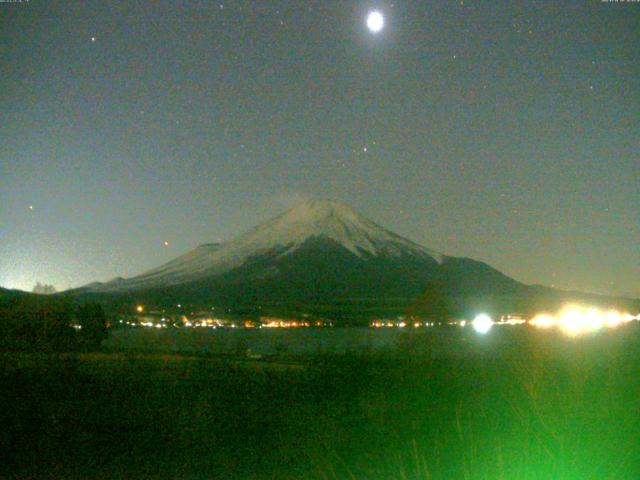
<point x="319" y="254"/>
<point x="321" y="223"/>
<point x="320" y="257"/>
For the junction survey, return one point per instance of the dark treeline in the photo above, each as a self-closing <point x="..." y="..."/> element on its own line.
<point x="38" y="324"/>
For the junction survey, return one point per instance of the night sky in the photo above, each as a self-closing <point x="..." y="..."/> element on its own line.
<point x="508" y="132"/>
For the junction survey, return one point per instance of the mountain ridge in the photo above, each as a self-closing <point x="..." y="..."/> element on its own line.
<point x="323" y="258"/>
<point x="313" y="218"/>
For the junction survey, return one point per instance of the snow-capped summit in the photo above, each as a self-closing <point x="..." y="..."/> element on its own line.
<point x="312" y="219"/>
<point x="335" y="221"/>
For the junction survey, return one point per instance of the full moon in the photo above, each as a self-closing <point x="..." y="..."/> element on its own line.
<point x="375" y="21"/>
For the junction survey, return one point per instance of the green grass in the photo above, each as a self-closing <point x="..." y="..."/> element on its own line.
<point x="530" y="406"/>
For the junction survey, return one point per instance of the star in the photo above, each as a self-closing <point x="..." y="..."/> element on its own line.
<point x="165" y="243"/>
<point x="93" y="39"/>
<point x="30" y="207"/>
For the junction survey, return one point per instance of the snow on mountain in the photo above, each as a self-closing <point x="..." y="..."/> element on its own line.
<point x="311" y="219"/>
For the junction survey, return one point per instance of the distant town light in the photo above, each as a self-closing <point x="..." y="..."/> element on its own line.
<point x="482" y="323"/>
<point x="543" y="321"/>
<point x="575" y="320"/>
<point x="139" y="309"/>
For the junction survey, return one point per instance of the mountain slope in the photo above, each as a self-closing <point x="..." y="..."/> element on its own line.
<point x="314" y="219"/>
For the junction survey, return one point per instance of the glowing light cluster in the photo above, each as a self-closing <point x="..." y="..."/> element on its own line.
<point x="400" y="324"/>
<point x="482" y="323"/>
<point x="577" y="320"/>
<point x="280" y="323"/>
<point x="512" y="320"/>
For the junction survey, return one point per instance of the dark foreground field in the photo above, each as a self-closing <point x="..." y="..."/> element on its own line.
<point x="530" y="406"/>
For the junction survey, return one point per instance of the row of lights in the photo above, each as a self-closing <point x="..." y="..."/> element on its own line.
<point x="573" y="320"/>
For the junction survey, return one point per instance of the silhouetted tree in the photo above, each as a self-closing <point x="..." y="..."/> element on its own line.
<point x="432" y="305"/>
<point x="31" y="324"/>
<point x="54" y="331"/>
<point x="91" y="323"/>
